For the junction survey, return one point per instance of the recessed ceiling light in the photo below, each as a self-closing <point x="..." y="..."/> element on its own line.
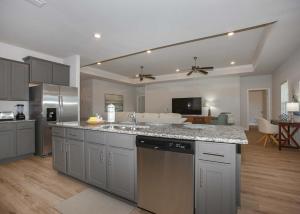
<point x="232" y="62"/>
<point x="97" y="35"/>
<point x="230" y="34"/>
<point x="177" y="70"/>
<point x="149" y="51"/>
<point x="99" y="63"/>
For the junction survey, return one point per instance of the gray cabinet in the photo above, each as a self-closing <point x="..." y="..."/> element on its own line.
<point x="59" y="154"/>
<point x="19" y="81"/>
<point x="61" y="74"/>
<point x="121" y="172"/>
<point x="43" y="71"/>
<point x="5" y="67"/>
<point x="215" y="178"/>
<point x="7" y="141"/>
<point x="14" y="80"/>
<point x="75" y="159"/>
<point x="25" y="138"/>
<point x="95" y="161"/>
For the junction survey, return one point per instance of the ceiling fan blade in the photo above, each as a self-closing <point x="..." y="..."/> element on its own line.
<point x="151" y="77"/>
<point x="207" y="68"/>
<point x="147" y="75"/>
<point x="203" y="71"/>
<point x="189" y="73"/>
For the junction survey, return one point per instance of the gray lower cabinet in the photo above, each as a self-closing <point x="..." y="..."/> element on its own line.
<point x="14" y="80"/>
<point x="121" y="179"/>
<point x="59" y="154"/>
<point x="215" y="178"/>
<point x="61" y="74"/>
<point x="75" y="158"/>
<point x="95" y="162"/>
<point x="26" y="140"/>
<point x="7" y="141"/>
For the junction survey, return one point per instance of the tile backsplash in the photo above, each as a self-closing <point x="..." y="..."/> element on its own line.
<point x="11" y="106"/>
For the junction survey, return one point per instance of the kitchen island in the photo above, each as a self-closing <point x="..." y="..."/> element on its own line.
<point x="106" y="156"/>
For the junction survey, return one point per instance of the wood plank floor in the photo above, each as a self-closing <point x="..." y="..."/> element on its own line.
<point x="270" y="183"/>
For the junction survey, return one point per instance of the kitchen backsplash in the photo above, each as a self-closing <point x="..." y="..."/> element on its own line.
<point x="11" y="106"/>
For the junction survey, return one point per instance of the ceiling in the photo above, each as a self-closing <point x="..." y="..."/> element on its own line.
<point x="217" y="52"/>
<point x="65" y="27"/>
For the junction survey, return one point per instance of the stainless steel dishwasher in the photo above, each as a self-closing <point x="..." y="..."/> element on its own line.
<point x="165" y="175"/>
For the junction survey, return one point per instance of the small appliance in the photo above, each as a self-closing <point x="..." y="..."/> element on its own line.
<point x="6" y="115"/>
<point x="20" y="112"/>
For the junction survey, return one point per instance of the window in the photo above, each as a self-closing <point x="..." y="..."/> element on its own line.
<point x="284" y="97"/>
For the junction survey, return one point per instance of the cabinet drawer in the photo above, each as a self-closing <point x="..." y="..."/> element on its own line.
<point x="7" y="126"/>
<point x="76" y="134"/>
<point x="25" y="125"/>
<point x="120" y="140"/>
<point x="218" y="152"/>
<point x="94" y="137"/>
<point x="60" y="132"/>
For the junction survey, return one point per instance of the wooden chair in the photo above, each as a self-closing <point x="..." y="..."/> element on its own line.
<point x="268" y="130"/>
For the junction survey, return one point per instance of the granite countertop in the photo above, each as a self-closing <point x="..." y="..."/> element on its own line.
<point x="15" y="121"/>
<point x="198" y="132"/>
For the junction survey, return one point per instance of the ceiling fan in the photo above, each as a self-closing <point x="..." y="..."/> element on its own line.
<point x="141" y="76"/>
<point x="198" y="69"/>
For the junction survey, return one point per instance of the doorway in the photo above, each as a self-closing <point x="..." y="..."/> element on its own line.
<point x="258" y="105"/>
<point x="140" y="104"/>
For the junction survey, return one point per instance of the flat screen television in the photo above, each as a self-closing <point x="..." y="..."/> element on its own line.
<point x="192" y="105"/>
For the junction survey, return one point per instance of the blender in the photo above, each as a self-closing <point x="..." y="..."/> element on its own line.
<point x="20" y="109"/>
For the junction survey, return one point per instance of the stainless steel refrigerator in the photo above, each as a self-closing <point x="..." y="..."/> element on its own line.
<point x="51" y="104"/>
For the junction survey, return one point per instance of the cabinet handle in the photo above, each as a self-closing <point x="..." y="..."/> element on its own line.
<point x="213" y="154"/>
<point x="101" y="156"/>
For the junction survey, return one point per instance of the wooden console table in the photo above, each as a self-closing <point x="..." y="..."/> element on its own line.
<point x="195" y="119"/>
<point x="287" y="131"/>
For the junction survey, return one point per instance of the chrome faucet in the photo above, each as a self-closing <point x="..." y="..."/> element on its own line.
<point x="133" y="117"/>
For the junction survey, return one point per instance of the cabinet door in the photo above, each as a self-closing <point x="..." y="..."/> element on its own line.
<point x="25" y="141"/>
<point x="59" y="154"/>
<point x="61" y="74"/>
<point x="19" y="81"/>
<point x="41" y="71"/>
<point x="7" y="144"/>
<point x="75" y="159"/>
<point x="5" y="68"/>
<point x="215" y="188"/>
<point x="95" y="161"/>
<point x="121" y="172"/>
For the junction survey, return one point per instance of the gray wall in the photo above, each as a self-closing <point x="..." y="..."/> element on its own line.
<point x="224" y="92"/>
<point x="288" y="71"/>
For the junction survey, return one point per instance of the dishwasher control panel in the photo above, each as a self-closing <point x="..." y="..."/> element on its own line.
<point x="166" y="144"/>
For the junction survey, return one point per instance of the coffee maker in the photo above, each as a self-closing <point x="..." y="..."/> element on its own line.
<point x="20" y="112"/>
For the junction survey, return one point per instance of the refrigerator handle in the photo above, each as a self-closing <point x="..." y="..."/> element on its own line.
<point x="59" y="108"/>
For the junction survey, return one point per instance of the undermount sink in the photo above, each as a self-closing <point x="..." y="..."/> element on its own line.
<point x="124" y="127"/>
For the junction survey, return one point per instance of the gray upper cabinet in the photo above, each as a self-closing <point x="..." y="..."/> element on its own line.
<point x="95" y="161"/>
<point x="40" y="70"/>
<point x="5" y="67"/>
<point x="14" y="80"/>
<point x="43" y="71"/>
<point x="121" y="172"/>
<point x="61" y="74"/>
<point x="75" y="158"/>
<point x="59" y="154"/>
<point x="19" y="81"/>
<point x="7" y="140"/>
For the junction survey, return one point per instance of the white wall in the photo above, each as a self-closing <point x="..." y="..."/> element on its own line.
<point x="16" y="53"/>
<point x="253" y="82"/>
<point x="101" y="87"/>
<point x="224" y="92"/>
<point x="288" y="71"/>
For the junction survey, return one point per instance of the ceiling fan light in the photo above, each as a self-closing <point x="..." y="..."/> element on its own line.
<point x="177" y="70"/>
<point x="137" y="75"/>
